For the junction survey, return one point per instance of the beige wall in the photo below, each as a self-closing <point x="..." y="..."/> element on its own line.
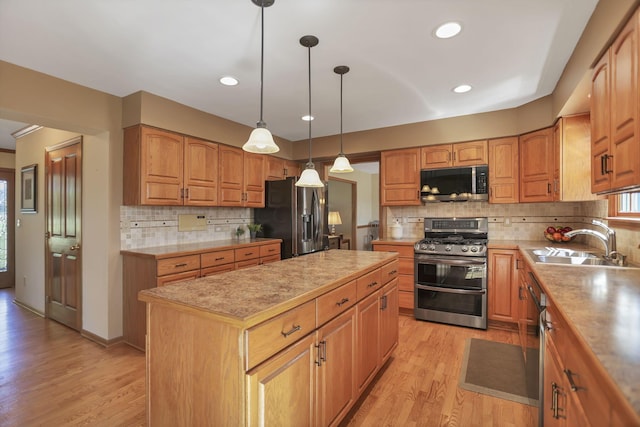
<point x="7" y="160"/>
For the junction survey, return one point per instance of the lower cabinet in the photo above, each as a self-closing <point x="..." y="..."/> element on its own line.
<point x="406" y="282"/>
<point x="502" y="286"/>
<point x="368" y="339"/>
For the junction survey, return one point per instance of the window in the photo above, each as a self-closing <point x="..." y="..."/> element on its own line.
<point x="626" y="205"/>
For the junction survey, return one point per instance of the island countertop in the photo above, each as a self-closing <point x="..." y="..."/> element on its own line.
<point x="249" y="296"/>
<point x="603" y="305"/>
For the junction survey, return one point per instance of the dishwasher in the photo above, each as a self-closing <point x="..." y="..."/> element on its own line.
<point x="540" y="300"/>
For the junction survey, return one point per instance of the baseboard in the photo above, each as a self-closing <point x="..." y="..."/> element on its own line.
<point x="28" y="307"/>
<point x="102" y="341"/>
<point x="504" y="326"/>
<point x="406" y="311"/>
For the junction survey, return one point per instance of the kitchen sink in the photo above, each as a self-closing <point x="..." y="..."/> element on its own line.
<point x="568" y="257"/>
<point x="561" y="252"/>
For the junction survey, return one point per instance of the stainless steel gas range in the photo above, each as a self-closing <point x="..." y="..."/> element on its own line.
<point x="451" y="272"/>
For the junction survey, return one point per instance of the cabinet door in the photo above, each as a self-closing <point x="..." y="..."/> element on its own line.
<point x="555" y="393"/>
<point x="274" y="168"/>
<point x="161" y="167"/>
<point x="504" y="177"/>
<point x="400" y="177"/>
<point x="436" y="156"/>
<point x="291" y="168"/>
<point x="600" y="124"/>
<point x="368" y="342"/>
<point x="470" y="153"/>
<point x="254" y="180"/>
<point x="624" y="143"/>
<point x="536" y="166"/>
<point x="200" y="172"/>
<point x="502" y="287"/>
<point x="388" y="319"/>
<point x="281" y="391"/>
<point x="231" y="169"/>
<point x="337" y="369"/>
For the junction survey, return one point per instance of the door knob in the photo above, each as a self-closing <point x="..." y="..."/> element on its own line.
<point x="74" y="247"/>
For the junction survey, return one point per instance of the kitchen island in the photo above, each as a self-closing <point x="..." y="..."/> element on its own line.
<point x="294" y="342"/>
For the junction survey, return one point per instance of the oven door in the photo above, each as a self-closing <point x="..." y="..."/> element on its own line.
<point x="451" y="290"/>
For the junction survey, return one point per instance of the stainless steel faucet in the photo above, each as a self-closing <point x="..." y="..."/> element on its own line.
<point x="608" y="240"/>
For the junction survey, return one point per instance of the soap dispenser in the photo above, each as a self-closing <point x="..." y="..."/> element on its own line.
<point x="396" y="230"/>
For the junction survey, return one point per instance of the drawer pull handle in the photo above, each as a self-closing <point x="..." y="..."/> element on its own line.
<point x="554" y="400"/>
<point x="344" y="301"/>
<point x="272" y="250"/>
<point x="372" y="284"/>
<point x="248" y="253"/>
<point x="572" y="383"/>
<point x="184" y="264"/>
<point x="393" y="272"/>
<point x="219" y="259"/>
<point x="295" y="328"/>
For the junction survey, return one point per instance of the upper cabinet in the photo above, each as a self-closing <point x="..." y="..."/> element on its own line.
<point x="536" y="166"/>
<point x="241" y="178"/>
<point x="400" y="177"/>
<point x="615" y="147"/>
<point x="504" y="179"/>
<point x="276" y="168"/>
<point x="163" y="168"/>
<point x="448" y="155"/>
<point x="571" y="177"/>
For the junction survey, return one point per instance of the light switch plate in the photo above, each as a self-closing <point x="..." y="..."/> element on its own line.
<point x="192" y="223"/>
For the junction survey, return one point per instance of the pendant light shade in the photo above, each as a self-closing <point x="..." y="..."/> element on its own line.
<point x="341" y="164"/>
<point x="261" y="140"/>
<point x="309" y="177"/>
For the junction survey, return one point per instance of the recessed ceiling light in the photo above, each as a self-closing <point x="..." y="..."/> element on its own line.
<point x="307" y="118"/>
<point x="228" y="81"/>
<point x="462" y="89"/>
<point x="448" y="30"/>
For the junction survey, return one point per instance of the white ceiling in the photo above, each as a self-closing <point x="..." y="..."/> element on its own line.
<point x="510" y="51"/>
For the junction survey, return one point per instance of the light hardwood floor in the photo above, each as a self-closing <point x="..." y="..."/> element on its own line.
<point x="50" y="375"/>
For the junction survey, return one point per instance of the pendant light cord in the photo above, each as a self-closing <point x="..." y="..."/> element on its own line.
<point x="310" y="117"/>
<point x="261" y="59"/>
<point x="341" y="152"/>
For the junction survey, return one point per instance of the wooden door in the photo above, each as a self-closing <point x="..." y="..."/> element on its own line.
<point x="337" y="370"/>
<point x="502" y="286"/>
<point x="274" y="168"/>
<point x="231" y="167"/>
<point x="600" y="124"/>
<point x="253" y="180"/>
<point x="388" y="319"/>
<point x="162" y="167"/>
<point x="555" y="393"/>
<point x="291" y="168"/>
<point x="368" y="341"/>
<point x="504" y="177"/>
<point x="63" y="187"/>
<point x="436" y="156"/>
<point x="624" y="146"/>
<point x="281" y="391"/>
<point x="200" y="172"/>
<point x="470" y="153"/>
<point x="7" y="229"/>
<point x="400" y="177"/>
<point x="536" y="166"/>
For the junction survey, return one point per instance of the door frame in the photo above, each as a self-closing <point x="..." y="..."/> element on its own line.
<point x="11" y="230"/>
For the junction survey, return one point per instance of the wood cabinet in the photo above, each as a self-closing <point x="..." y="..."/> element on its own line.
<point x="149" y="268"/>
<point x="502" y="286"/>
<point x="400" y="177"/>
<point x="164" y="168"/>
<point x="572" y="142"/>
<point x="241" y="178"/>
<point x="276" y="169"/>
<point x="504" y="170"/>
<point x="448" y="155"/>
<point x="527" y="314"/>
<point x="536" y="166"/>
<point x="615" y="143"/>
<point x="406" y="282"/>
<point x="299" y="367"/>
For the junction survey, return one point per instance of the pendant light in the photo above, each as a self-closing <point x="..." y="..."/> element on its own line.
<point x="341" y="164"/>
<point x="309" y="177"/>
<point x="261" y="140"/>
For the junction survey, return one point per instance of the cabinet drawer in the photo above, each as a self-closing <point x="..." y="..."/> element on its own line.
<point x="269" y="250"/>
<point x="178" y="277"/>
<point x="406" y="266"/>
<point x="211" y="259"/>
<point x="335" y="302"/>
<point x="402" y="250"/>
<point x="210" y="271"/>
<point x="178" y="264"/>
<point x="406" y="299"/>
<point x="275" y="334"/>
<point x="247" y="263"/>
<point x="251" y="252"/>
<point x="389" y="272"/>
<point x="368" y="283"/>
<point x="406" y="283"/>
<point x="268" y="259"/>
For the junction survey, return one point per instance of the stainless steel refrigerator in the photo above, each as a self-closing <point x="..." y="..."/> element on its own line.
<point x="296" y="215"/>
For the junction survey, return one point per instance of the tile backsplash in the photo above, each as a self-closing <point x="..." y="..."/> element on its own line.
<point x="146" y="226"/>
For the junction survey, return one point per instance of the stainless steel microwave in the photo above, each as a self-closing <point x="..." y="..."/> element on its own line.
<point x="458" y="184"/>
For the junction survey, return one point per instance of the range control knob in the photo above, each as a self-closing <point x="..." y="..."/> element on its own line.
<point x="431" y="247"/>
<point x="448" y="248"/>
<point x="474" y="249"/>
<point x="465" y="249"/>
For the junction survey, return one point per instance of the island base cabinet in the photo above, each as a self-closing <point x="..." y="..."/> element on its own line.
<point x="368" y="339"/>
<point x="281" y="391"/>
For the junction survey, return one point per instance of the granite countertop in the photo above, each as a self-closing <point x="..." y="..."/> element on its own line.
<point x="603" y="305"/>
<point x="249" y="296"/>
<point x="189" y="248"/>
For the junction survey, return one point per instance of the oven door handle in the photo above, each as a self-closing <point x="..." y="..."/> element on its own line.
<point x="449" y="261"/>
<point x="535" y="298"/>
<point x="451" y="291"/>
